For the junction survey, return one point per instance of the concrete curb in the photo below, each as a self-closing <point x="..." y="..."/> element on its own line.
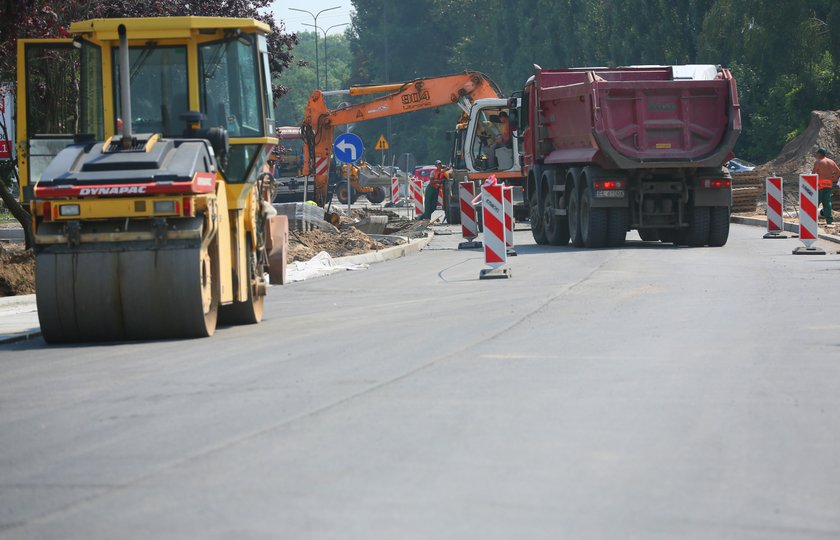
<point x="388" y="254"/>
<point x="24" y="303"/>
<point x="789" y="227"/>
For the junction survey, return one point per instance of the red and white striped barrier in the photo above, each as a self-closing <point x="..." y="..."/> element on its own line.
<point x="395" y="190"/>
<point x="493" y="214"/>
<point x="469" y="226"/>
<point x="775" y="207"/>
<point x="322" y="166"/>
<point x="416" y="188"/>
<point x="808" y="201"/>
<point x="509" y="222"/>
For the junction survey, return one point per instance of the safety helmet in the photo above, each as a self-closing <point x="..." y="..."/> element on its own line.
<point x="438" y="162"/>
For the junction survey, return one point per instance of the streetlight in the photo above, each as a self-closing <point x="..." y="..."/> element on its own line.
<point x="315" y="17"/>
<point x="326" y="66"/>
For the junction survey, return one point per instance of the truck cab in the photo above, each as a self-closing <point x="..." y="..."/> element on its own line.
<point x="479" y="150"/>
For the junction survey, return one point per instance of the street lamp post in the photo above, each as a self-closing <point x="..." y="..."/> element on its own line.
<point x="326" y="65"/>
<point x="315" y="17"/>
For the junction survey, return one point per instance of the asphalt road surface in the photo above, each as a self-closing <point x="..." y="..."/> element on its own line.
<point x="642" y="392"/>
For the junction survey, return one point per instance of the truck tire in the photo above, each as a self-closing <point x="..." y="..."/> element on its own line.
<point x="573" y="218"/>
<point x="718" y="225"/>
<point x="649" y="235"/>
<point x="556" y="227"/>
<point x="617" y="228"/>
<point x="341" y="193"/>
<point x="698" y="229"/>
<point x="537" y="224"/>
<point x="377" y="195"/>
<point x="593" y="222"/>
<point x="452" y="213"/>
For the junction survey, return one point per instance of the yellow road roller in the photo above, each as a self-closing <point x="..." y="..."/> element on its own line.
<point x="142" y="145"/>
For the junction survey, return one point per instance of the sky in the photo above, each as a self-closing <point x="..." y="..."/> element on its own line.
<point x="294" y="19"/>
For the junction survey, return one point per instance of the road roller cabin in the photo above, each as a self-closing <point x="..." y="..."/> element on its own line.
<point x="142" y="145"/>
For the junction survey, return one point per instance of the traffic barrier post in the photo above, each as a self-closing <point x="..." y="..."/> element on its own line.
<point x="493" y="215"/>
<point x="509" y="222"/>
<point x="808" y="215"/>
<point x="395" y="190"/>
<point x="775" y="208"/>
<point x="417" y="197"/>
<point x="469" y="226"/>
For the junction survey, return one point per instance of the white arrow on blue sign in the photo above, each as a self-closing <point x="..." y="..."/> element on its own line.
<point x="348" y="147"/>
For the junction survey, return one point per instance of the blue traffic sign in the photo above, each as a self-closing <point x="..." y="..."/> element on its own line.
<point x="348" y="147"/>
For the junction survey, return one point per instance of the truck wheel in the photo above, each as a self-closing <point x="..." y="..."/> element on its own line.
<point x="537" y="224"/>
<point x="698" y="229"/>
<point x="617" y="228"/>
<point x="649" y="235"/>
<point x="718" y="225"/>
<point x="593" y="222"/>
<point x="341" y="193"/>
<point x="556" y="227"/>
<point x="573" y="218"/>
<point x="450" y="211"/>
<point x="377" y="195"/>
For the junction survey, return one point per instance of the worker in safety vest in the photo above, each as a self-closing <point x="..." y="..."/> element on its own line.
<point x="827" y="173"/>
<point x="430" y="195"/>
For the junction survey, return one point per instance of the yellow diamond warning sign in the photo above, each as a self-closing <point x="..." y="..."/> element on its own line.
<point x="381" y="144"/>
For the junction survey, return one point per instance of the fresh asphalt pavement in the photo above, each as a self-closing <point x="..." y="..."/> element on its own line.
<point x="641" y="392"/>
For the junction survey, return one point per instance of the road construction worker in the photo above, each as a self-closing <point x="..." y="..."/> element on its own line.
<point x="827" y="173"/>
<point x="430" y="195"/>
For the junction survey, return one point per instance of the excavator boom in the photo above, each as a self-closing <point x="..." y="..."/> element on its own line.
<point x="424" y="93"/>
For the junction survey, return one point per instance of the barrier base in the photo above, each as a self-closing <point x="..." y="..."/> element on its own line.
<point x="802" y="250"/>
<point x="472" y="244"/>
<point x="495" y="273"/>
<point x="511" y="252"/>
<point x="781" y="235"/>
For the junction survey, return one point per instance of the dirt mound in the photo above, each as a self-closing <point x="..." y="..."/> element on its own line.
<point x="797" y="156"/>
<point x="303" y="245"/>
<point x="17" y="271"/>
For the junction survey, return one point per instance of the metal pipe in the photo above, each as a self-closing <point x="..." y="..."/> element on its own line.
<point x="125" y="88"/>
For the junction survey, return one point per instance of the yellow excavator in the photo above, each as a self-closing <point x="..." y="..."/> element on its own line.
<point x="148" y="189"/>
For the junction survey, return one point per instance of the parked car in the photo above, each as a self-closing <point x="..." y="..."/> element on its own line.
<point x="424" y="173"/>
<point x="739" y="165"/>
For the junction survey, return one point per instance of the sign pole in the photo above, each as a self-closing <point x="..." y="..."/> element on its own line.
<point x="349" y="198"/>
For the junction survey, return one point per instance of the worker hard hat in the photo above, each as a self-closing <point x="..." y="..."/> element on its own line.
<point x="438" y="162"/>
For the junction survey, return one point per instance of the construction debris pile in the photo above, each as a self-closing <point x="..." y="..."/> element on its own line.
<point x="17" y="270"/>
<point x="797" y="157"/>
<point x="364" y="230"/>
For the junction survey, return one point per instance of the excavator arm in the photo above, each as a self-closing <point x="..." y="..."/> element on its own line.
<point x="461" y="89"/>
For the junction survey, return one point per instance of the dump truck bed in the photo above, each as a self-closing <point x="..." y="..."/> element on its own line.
<point x="645" y="117"/>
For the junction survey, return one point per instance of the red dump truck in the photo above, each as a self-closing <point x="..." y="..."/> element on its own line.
<point x="608" y="150"/>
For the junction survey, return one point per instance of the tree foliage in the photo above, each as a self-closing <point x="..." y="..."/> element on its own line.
<point x="785" y="54"/>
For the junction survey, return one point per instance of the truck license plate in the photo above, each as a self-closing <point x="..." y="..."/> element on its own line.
<point x="610" y="194"/>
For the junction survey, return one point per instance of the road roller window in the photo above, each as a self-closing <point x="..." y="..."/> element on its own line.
<point x="230" y="86"/>
<point x="92" y="119"/>
<point x="159" y="88"/>
<point x="52" y="98"/>
<point x="242" y="163"/>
